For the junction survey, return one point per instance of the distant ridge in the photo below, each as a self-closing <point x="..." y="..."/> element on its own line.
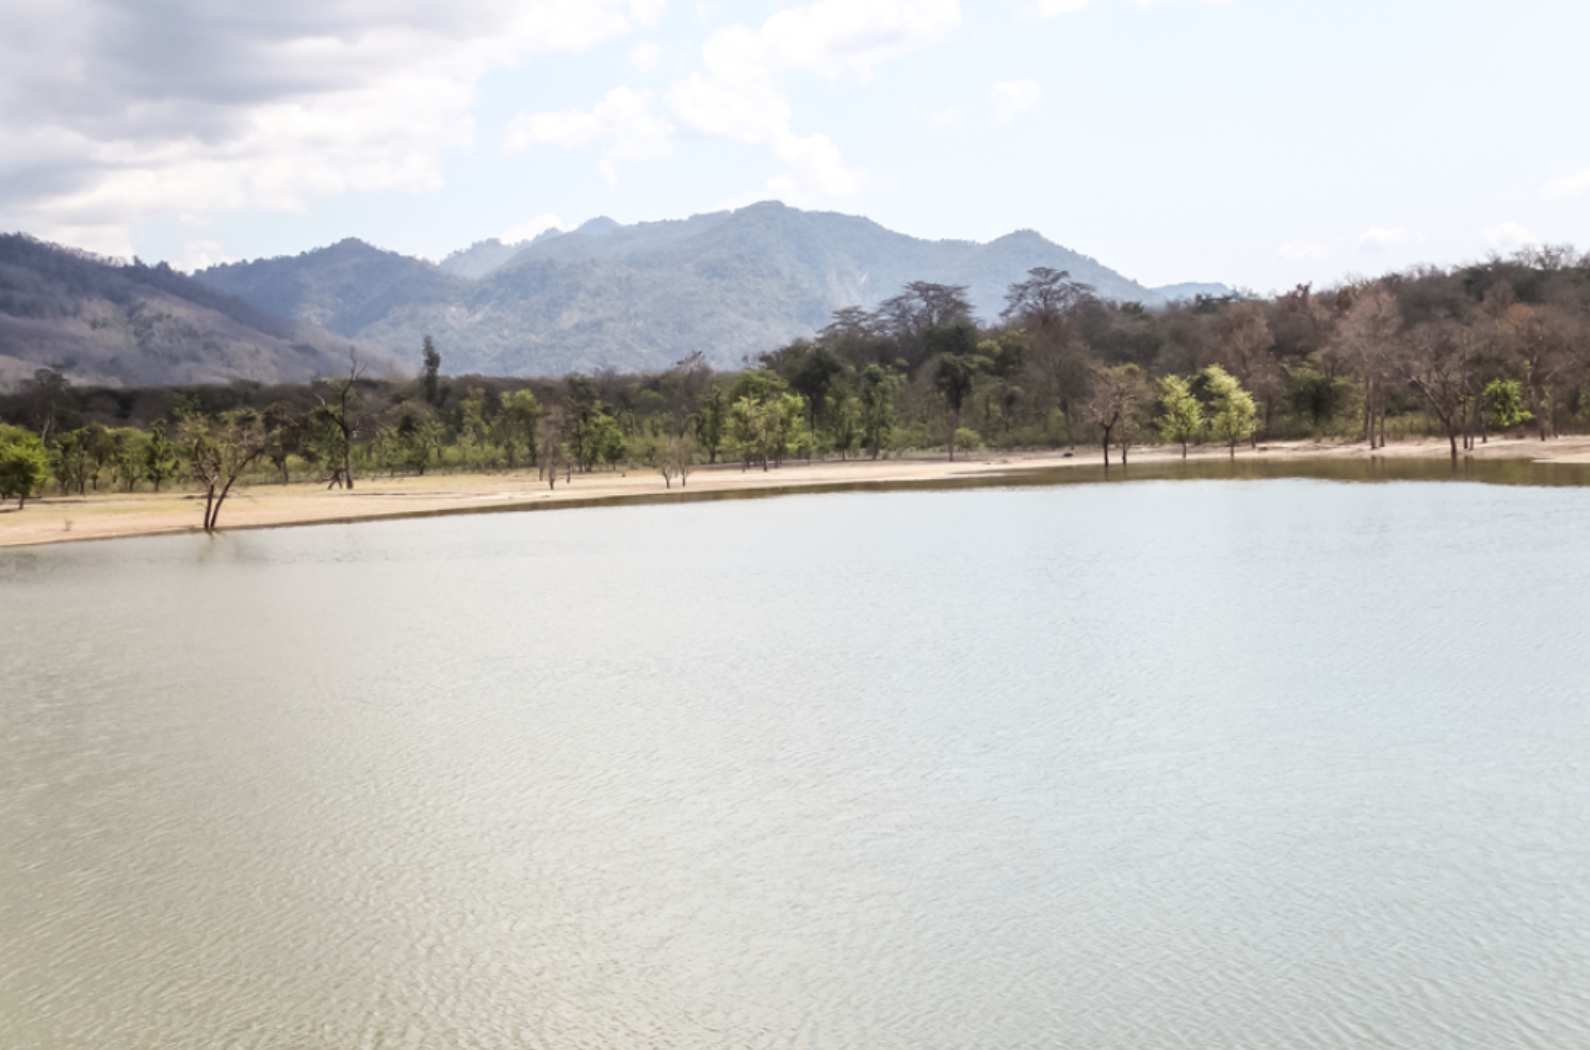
<point x="112" y="323"/>
<point x="730" y="284"/>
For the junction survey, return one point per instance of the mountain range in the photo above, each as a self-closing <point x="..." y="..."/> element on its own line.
<point x="105" y="322"/>
<point x="731" y="284"/>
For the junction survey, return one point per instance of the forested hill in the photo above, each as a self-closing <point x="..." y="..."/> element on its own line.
<point x="104" y="322"/>
<point x="730" y="284"/>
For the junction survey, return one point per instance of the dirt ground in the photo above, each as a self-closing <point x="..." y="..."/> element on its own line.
<point x="56" y="519"/>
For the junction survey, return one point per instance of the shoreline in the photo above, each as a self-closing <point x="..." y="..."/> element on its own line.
<point x="64" y="519"/>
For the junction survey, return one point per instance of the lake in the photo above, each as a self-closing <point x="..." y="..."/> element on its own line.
<point x="1288" y="763"/>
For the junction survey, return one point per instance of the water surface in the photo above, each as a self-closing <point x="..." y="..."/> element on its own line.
<point x="1286" y="764"/>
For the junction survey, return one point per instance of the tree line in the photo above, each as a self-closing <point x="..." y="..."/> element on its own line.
<point x="1460" y="352"/>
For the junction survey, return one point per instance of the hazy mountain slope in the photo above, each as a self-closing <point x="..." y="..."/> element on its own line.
<point x="480" y="258"/>
<point x="1191" y="290"/>
<point x="113" y="324"/>
<point x="344" y="288"/>
<point x="730" y="284"/>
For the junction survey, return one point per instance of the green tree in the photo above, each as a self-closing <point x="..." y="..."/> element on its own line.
<point x="160" y="455"/>
<point x="411" y="437"/>
<point x="597" y="439"/>
<point x="219" y="451"/>
<point x="70" y="461"/>
<point x="474" y="432"/>
<point x="286" y="430"/>
<point x="953" y="378"/>
<point x="762" y="430"/>
<point x="127" y="456"/>
<point x="844" y="424"/>
<point x="1181" y="418"/>
<point x="24" y="464"/>
<point x="1504" y="403"/>
<point x="515" y="425"/>
<point x="432" y="361"/>
<point x="712" y="421"/>
<point x="1232" y="412"/>
<point x="875" y="399"/>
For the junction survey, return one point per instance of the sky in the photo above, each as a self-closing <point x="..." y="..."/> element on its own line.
<point x="1262" y="143"/>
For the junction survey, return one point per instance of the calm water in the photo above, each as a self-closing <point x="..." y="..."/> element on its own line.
<point x="1287" y="764"/>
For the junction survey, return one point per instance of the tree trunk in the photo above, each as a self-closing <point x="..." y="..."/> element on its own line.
<point x="1369" y="415"/>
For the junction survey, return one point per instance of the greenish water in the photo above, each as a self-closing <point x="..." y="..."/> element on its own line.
<point x="1283" y="764"/>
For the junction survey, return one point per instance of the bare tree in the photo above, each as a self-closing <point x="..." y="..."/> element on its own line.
<point x="1538" y="340"/>
<point x="1436" y="360"/>
<point x="342" y="412"/>
<point x="679" y="457"/>
<point x="1364" y="342"/>
<point x="1245" y="350"/>
<point x="551" y="455"/>
<point x="1115" y="401"/>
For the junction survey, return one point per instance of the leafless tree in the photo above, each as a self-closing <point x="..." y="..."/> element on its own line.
<point x="1245" y="349"/>
<point x="551" y="455"/>
<point x="1364" y="341"/>
<point x="342" y="411"/>
<point x="1115" y="404"/>
<point x="1437" y="360"/>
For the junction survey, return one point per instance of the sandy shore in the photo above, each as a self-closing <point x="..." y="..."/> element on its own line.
<point x="101" y="516"/>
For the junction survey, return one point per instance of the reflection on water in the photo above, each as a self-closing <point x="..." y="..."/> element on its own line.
<point x="1263" y="765"/>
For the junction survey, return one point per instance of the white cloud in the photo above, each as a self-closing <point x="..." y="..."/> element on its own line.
<point x="646" y="57"/>
<point x="1303" y="250"/>
<point x="530" y="229"/>
<point x="738" y="94"/>
<point x="1507" y="235"/>
<point x="197" y="255"/>
<point x="113" y="112"/>
<point x="953" y="115"/>
<point x="1564" y="186"/>
<point x="1041" y="10"/>
<point x="625" y="116"/>
<point x="1378" y="239"/>
<point x="1011" y="98"/>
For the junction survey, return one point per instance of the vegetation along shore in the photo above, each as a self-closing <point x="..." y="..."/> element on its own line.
<point x="1490" y="359"/>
